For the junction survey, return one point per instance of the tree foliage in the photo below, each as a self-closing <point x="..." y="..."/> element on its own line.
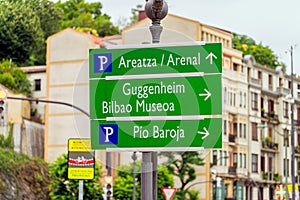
<point x="14" y="78"/>
<point x="63" y="188"/>
<point x="264" y="55"/>
<point x="182" y="164"/>
<point x="123" y="186"/>
<point x="20" y="32"/>
<point x="82" y="15"/>
<point x="25" y="26"/>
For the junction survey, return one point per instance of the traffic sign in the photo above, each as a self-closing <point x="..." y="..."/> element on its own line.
<point x="81" y="159"/>
<point x="160" y="97"/>
<point x="156" y="96"/>
<point x="168" y="192"/>
<point x="155" y="60"/>
<point x="205" y="133"/>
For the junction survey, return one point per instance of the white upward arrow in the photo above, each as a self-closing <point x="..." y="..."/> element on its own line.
<point x="205" y="134"/>
<point x="211" y="56"/>
<point x="207" y="94"/>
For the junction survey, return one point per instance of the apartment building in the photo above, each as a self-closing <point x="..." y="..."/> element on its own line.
<point x="269" y="129"/>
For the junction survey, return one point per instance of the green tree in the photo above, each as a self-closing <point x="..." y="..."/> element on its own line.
<point x="63" y="188"/>
<point x="20" y="32"/>
<point x="123" y="185"/>
<point x="182" y="164"/>
<point x="25" y="27"/>
<point x="82" y="15"/>
<point x="264" y="55"/>
<point x="50" y="16"/>
<point x="14" y="78"/>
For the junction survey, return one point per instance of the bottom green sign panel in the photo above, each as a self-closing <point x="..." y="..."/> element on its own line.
<point x="205" y="133"/>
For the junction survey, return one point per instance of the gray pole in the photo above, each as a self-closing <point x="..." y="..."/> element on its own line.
<point x="134" y="175"/>
<point x="292" y="132"/>
<point x="156" y="10"/>
<point x="147" y="189"/>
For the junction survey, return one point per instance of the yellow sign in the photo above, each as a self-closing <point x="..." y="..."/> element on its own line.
<point x="80" y="145"/>
<point x="81" y="173"/>
<point x="81" y="161"/>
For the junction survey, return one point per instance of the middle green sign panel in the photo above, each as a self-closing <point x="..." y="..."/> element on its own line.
<point x="178" y="96"/>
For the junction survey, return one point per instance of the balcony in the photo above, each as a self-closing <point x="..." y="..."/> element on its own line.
<point x="231" y="138"/>
<point x="255" y="81"/>
<point x="268" y="145"/>
<point x="283" y="91"/>
<point x="232" y="170"/>
<point x="272" y="118"/>
<point x="271" y="176"/>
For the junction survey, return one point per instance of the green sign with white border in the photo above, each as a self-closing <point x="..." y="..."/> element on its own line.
<point x="171" y="95"/>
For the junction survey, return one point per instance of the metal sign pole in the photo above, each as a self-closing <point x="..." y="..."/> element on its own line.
<point x="80" y="193"/>
<point x="156" y="10"/>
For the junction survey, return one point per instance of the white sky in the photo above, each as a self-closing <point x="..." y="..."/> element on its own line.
<point x="275" y="23"/>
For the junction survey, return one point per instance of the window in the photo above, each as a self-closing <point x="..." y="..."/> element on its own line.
<point x="225" y="158"/>
<point x="225" y="127"/>
<point x="286" y="137"/>
<point x="37" y="85"/>
<point x="245" y="161"/>
<point x="241" y="99"/>
<point x="241" y="160"/>
<point x="254" y="101"/>
<point x="259" y="75"/>
<point x="298" y="168"/>
<point x="235" y="161"/>
<point x="240" y="130"/>
<point x="225" y="94"/>
<point x="245" y="101"/>
<point x="245" y="131"/>
<point x="262" y="163"/>
<point x="290" y="85"/>
<point x="254" y="131"/>
<point x="270" y="80"/>
<point x="215" y="157"/>
<point x="235" y="67"/>
<point x="286" y="170"/>
<point x="270" y="164"/>
<point x="254" y="163"/>
<point x="285" y="109"/>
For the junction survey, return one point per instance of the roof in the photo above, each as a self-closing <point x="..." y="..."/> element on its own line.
<point x="34" y="69"/>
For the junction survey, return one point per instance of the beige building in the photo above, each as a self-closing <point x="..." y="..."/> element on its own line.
<point x="270" y="128"/>
<point x="38" y="78"/>
<point x="67" y="82"/>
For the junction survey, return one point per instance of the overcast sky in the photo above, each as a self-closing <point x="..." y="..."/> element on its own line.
<point x="275" y="23"/>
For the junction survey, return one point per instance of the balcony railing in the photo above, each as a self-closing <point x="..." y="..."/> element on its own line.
<point x="269" y="145"/>
<point x="255" y="81"/>
<point x="283" y="90"/>
<point x="232" y="170"/>
<point x="231" y="138"/>
<point x="271" y="176"/>
<point x="272" y="118"/>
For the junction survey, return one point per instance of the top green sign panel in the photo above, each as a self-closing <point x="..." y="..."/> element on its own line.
<point x="156" y="60"/>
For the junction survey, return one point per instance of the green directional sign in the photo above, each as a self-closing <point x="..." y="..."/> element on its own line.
<point x="155" y="60"/>
<point x="156" y="97"/>
<point x="205" y="133"/>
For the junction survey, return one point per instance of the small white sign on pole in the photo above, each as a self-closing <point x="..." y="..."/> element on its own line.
<point x="168" y="192"/>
